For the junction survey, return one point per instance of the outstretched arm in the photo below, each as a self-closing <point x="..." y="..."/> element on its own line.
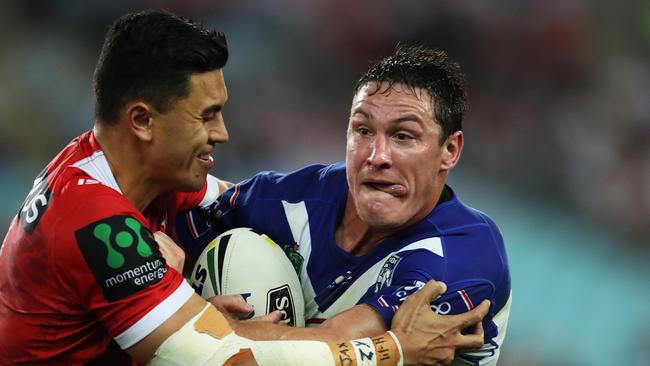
<point x="425" y="338"/>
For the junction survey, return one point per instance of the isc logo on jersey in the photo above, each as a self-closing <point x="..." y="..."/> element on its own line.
<point x="35" y="204"/>
<point x="243" y="262"/>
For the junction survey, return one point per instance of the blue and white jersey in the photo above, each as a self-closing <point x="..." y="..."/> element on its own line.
<point x="300" y="210"/>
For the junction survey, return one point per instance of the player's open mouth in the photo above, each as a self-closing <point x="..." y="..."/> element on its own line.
<point x="205" y="157"/>
<point x="393" y="189"/>
<point x="206" y="160"/>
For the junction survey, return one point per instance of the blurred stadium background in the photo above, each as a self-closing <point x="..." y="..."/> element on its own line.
<point x="557" y="139"/>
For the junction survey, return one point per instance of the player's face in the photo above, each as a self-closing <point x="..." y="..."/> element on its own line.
<point x="185" y="135"/>
<point x="393" y="156"/>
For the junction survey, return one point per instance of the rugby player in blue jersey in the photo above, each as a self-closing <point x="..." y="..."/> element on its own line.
<point x="367" y="233"/>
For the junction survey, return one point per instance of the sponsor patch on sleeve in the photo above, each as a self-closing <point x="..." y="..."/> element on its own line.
<point x="122" y="255"/>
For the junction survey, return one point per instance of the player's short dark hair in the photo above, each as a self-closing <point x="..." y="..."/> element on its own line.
<point x="151" y="55"/>
<point x="427" y="69"/>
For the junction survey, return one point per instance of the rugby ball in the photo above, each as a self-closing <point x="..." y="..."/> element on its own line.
<point x="241" y="261"/>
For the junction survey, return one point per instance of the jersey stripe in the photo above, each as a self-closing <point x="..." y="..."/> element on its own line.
<point x="434" y="245"/>
<point x="466" y="299"/>
<point x="191" y="225"/>
<point x="155" y="317"/>
<point x="382" y="302"/>
<point x="351" y="296"/>
<point x="298" y="220"/>
<point x="235" y="195"/>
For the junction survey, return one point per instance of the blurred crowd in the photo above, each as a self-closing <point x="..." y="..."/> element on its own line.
<point x="559" y="115"/>
<point x="558" y="89"/>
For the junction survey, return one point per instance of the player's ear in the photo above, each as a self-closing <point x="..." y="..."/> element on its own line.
<point x="138" y="115"/>
<point x="451" y="150"/>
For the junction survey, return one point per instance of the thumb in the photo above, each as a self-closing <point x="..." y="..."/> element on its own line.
<point x="430" y="291"/>
<point x="231" y="304"/>
<point x="273" y="317"/>
<point x="161" y="236"/>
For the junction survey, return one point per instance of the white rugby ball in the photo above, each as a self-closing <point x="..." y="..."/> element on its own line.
<point x="241" y="261"/>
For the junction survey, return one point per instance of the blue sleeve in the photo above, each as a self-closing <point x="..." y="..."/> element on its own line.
<point x="400" y="276"/>
<point x="236" y="207"/>
<point x="197" y="227"/>
<point x="194" y="231"/>
<point x="410" y="273"/>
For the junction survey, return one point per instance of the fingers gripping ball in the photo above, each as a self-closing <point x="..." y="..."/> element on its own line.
<point x="241" y="261"/>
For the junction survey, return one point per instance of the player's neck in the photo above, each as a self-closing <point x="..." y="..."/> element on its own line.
<point x="121" y="154"/>
<point x="355" y="236"/>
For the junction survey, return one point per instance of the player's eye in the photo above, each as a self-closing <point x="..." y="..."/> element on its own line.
<point x="403" y="136"/>
<point x="363" y="131"/>
<point x="210" y="113"/>
<point x="207" y="117"/>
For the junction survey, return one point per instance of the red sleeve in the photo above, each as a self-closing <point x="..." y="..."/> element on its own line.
<point x="107" y="256"/>
<point x="206" y="196"/>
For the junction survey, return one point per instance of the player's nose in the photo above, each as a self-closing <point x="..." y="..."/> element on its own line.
<point x="217" y="132"/>
<point x="380" y="152"/>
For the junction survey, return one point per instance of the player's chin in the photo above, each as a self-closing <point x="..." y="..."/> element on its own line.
<point x="381" y="219"/>
<point x="192" y="184"/>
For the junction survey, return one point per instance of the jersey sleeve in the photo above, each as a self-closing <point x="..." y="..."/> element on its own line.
<point x="401" y="275"/>
<point x="237" y="206"/>
<point x="203" y="198"/>
<point x="197" y="227"/>
<point x="107" y="259"/>
<point x="405" y="273"/>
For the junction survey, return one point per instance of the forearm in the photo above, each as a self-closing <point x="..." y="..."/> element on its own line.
<point x="378" y="351"/>
<point x="357" y="322"/>
<point x="268" y="331"/>
<point x="208" y="340"/>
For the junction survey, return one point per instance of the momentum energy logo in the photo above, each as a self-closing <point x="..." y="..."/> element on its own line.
<point x="122" y="255"/>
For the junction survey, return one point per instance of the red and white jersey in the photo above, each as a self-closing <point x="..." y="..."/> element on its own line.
<point x="81" y="276"/>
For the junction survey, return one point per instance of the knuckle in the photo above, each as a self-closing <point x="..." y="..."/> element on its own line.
<point x="473" y="317"/>
<point x="475" y="342"/>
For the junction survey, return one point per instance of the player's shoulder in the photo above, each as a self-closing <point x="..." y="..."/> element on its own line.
<point x="470" y="239"/>
<point x="456" y="217"/>
<point x="79" y="168"/>
<point x="75" y="187"/>
<point x="309" y="172"/>
<point x="304" y="182"/>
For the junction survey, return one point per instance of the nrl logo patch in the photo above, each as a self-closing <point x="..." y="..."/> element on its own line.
<point x="122" y="255"/>
<point x="385" y="276"/>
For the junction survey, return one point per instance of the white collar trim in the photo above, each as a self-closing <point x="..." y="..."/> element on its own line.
<point x="97" y="167"/>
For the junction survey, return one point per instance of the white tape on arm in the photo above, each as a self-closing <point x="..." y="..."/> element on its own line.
<point x="188" y="346"/>
<point x="207" y="339"/>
